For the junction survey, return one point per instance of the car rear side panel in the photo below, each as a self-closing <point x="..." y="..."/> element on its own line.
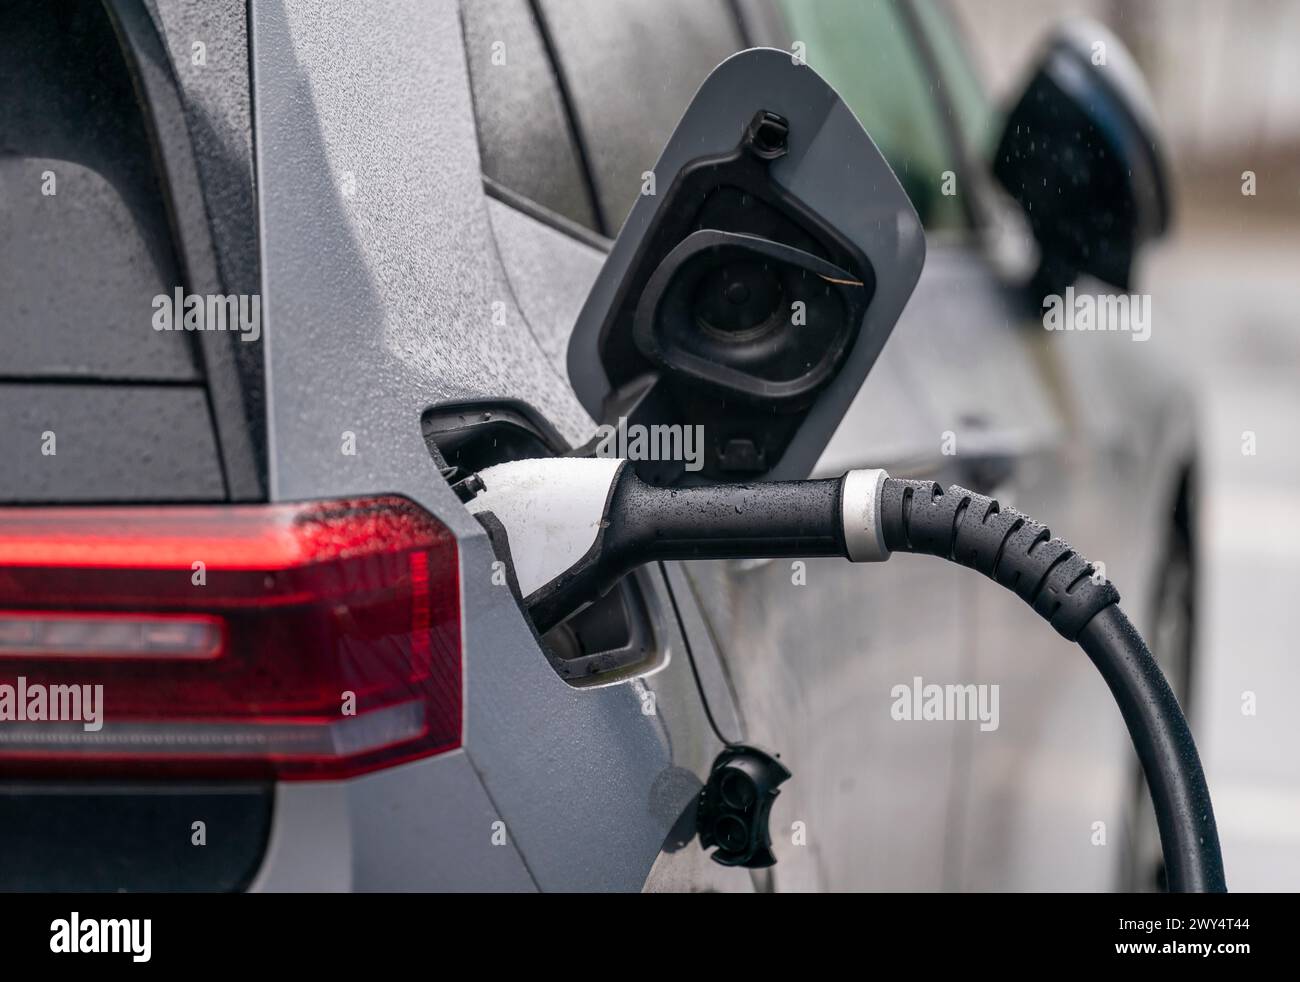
<point x="380" y="276"/>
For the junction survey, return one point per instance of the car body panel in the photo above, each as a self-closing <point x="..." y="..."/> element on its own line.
<point x="379" y="305"/>
<point x="960" y="361"/>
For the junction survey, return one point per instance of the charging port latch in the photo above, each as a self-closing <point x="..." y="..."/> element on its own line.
<point x="735" y="805"/>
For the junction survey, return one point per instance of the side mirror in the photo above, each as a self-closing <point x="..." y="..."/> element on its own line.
<point x="748" y="295"/>
<point x="1082" y="155"/>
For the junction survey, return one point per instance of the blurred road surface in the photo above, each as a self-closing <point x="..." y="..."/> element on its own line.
<point x="1226" y="307"/>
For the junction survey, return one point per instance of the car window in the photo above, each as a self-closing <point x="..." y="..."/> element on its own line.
<point x="575" y="99"/>
<point x="86" y="253"/>
<point x="631" y="69"/>
<point x="862" y="47"/>
<point x="526" y="143"/>
<point x="973" y="112"/>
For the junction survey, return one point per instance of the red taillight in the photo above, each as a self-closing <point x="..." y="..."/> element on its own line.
<point x="300" y="641"/>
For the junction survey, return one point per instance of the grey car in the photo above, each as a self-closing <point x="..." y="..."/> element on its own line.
<point x="419" y="195"/>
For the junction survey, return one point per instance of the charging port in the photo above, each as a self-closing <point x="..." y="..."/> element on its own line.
<point x="609" y="637"/>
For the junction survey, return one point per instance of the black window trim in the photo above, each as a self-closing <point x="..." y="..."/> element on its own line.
<point x="522" y="203"/>
<point x="242" y="465"/>
<point x="570" y="116"/>
<point x="600" y="238"/>
<point x="595" y="238"/>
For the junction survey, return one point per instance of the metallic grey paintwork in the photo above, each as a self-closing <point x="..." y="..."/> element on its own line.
<point x="376" y="306"/>
<point x="380" y="304"/>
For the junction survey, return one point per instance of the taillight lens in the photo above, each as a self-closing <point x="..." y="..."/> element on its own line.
<point x="296" y="641"/>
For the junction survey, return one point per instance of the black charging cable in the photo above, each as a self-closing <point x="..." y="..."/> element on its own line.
<point x="866" y="516"/>
<point x="1019" y="553"/>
